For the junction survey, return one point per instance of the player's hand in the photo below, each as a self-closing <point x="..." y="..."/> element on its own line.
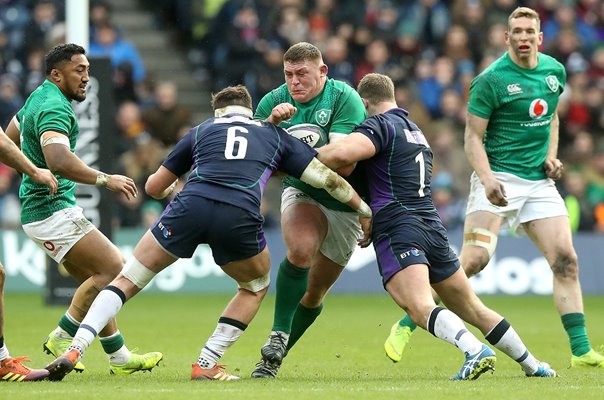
<point x="281" y="112"/>
<point x="122" y="184"/>
<point x="553" y="168"/>
<point x="366" y="228"/>
<point x="495" y="192"/>
<point x="45" y="177"/>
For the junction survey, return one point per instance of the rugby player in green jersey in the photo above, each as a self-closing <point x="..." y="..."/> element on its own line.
<point x="46" y="129"/>
<point x="320" y="233"/>
<point x="511" y="141"/>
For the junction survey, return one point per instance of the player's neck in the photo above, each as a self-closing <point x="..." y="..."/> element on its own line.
<point x="381" y="108"/>
<point x="526" y="63"/>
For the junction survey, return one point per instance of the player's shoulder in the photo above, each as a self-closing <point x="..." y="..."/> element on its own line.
<point x="340" y="86"/>
<point x="550" y="62"/>
<point x="278" y="95"/>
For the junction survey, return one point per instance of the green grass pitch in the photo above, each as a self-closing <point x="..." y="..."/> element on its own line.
<point x="340" y="357"/>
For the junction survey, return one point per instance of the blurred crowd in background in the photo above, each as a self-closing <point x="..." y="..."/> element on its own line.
<point x="432" y="49"/>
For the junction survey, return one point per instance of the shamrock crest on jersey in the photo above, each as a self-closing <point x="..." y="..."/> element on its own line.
<point x="552" y="83"/>
<point x="322" y="116"/>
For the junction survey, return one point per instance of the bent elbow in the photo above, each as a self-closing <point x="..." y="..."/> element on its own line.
<point x="151" y="189"/>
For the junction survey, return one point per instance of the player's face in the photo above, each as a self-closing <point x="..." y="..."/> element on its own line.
<point x="304" y="79"/>
<point x="74" y="77"/>
<point x="523" y="38"/>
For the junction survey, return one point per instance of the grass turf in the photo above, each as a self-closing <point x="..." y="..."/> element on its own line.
<point x="340" y="357"/>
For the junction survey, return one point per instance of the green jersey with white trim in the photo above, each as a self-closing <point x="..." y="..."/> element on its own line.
<point x="46" y="109"/>
<point x="519" y="104"/>
<point x="337" y="109"/>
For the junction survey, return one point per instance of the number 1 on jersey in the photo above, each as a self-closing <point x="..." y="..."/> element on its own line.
<point x="422" y="173"/>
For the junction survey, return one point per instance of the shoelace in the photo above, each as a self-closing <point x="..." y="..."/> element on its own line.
<point x="16" y="363"/>
<point x="278" y="340"/>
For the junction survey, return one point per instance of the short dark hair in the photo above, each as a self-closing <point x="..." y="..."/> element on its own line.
<point x="61" y="54"/>
<point x="232" y="96"/>
<point x="376" y="88"/>
<point x="302" y="51"/>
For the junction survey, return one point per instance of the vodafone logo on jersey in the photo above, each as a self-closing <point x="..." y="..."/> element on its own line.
<point x="538" y="108"/>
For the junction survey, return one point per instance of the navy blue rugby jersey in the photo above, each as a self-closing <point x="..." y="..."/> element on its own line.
<point x="232" y="157"/>
<point x="399" y="173"/>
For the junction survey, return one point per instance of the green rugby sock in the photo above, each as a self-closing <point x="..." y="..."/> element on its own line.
<point x="68" y="324"/>
<point x="574" y="324"/>
<point x="291" y="285"/>
<point x="303" y="319"/>
<point x="406" y="321"/>
<point x="112" y="343"/>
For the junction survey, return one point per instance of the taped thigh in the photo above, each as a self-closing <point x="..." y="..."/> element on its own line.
<point x="481" y="238"/>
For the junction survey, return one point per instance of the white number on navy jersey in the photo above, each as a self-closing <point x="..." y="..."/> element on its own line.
<point x="232" y="138"/>
<point x="422" y="173"/>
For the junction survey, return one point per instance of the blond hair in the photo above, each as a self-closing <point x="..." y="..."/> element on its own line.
<point x="525" y="12"/>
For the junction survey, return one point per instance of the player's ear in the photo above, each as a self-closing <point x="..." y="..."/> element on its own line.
<point x="323" y="68"/>
<point x="365" y="103"/>
<point x="56" y="75"/>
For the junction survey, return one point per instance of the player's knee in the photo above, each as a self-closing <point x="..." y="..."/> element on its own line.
<point x="300" y="256"/>
<point x="2" y="276"/>
<point x="566" y="265"/>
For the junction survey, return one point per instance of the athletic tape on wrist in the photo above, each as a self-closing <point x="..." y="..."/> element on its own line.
<point x="102" y="180"/>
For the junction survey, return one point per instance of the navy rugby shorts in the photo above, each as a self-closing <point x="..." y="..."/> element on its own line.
<point x="232" y="233"/>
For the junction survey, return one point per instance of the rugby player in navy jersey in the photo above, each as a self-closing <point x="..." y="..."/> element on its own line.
<point x="409" y="239"/>
<point x="230" y="158"/>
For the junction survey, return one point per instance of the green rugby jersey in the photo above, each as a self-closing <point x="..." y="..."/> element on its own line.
<point x="46" y="109"/>
<point x="519" y="104"/>
<point x="337" y="109"/>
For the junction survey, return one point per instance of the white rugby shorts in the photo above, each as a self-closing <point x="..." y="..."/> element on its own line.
<point x="527" y="200"/>
<point x="57" y="234"/>
<point x="343" y="231"/>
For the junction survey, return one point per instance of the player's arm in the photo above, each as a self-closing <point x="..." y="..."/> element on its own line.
<point x="477" y="156"/>
<point x="12" y="156"/>
<point x="63" y="162"/>
<point x="344" y="170"/>
<point x="320" y="176"/>
<point x="13" y="131"/>
<point x="347" y="151"/>
<point x="552" y="165"/>
<point x="161" y="183"/>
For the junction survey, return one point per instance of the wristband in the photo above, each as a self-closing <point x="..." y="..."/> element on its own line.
<point x="102" y="179"/>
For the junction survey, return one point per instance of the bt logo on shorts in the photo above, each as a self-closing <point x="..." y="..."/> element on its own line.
<point x="412" y="252"/>
<point x="538" y="108"/>
<point x="167" y="232"/>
